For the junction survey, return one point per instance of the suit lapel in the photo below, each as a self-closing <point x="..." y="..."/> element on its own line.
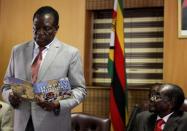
<point x="151" y="122"/>
<point x="28" y="59"/>
<point x="49" y="58"/>
<point x="173" y="122"/>
<point x="171" y="125"/>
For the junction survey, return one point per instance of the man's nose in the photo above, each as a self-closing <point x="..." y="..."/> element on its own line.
<point x="41" y="31"/>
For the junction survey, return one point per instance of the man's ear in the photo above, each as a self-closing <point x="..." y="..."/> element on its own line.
<point x="171" y="104"/>
<point x="57" y="27"/>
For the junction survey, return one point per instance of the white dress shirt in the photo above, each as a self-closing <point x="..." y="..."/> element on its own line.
<point x="165" y="118"/>
<point x="44" y="52"/>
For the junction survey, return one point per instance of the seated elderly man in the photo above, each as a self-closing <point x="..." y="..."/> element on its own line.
<point x="164" y="110"/>
<point x="6" y="117"/>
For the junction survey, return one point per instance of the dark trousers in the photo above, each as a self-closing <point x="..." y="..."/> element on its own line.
<point x="30" y="126"/>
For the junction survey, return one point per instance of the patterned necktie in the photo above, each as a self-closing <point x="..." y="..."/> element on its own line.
<point x="159" y="124"/>
<point x="36" y="65"/>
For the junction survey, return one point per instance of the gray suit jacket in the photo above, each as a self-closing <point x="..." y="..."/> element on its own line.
<point x="145" y="121"/>
<point x="6" y="117"/>
<point x="61" y="61"/>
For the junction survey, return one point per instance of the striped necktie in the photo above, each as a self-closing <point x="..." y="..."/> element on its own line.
<point x="36" y="65"/>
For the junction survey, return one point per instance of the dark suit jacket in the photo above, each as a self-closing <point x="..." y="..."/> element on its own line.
<point x="145" y="121"/>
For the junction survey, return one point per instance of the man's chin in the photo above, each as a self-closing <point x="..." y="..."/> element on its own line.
<point x="42" y="43"/>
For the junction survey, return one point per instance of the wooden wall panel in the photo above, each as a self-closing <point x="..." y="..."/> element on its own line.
<point x="175" y="49"/>
<point x="108" y="4"/>
<point x="88" y="48"/>
<point x="0" y="27"/>
<point x="97" y="100"/>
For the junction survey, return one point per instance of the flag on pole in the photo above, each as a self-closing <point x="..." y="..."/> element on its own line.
<point x="116" y="70"/>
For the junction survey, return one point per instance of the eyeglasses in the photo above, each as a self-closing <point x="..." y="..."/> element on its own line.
<point x="156" y="97"/>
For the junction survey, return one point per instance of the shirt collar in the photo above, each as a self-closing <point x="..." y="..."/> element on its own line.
<point x="165" y="118"/>
<point x="47" y="46"/>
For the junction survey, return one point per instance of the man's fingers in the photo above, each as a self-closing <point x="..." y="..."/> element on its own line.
<point x="14" y="100"/>
<point x="47" y="106"/>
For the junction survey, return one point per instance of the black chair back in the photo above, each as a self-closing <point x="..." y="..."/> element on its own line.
<point x="132" y="118"/>
<point x="86" y="122"/>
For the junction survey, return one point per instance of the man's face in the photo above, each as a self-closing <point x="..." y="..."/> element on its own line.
<point x="44" y="29"/>
<point x="159" y="102"/>
<point x="153" y="94"/>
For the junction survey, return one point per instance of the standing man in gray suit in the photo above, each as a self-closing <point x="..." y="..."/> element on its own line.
<point x="56" y="60"/>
